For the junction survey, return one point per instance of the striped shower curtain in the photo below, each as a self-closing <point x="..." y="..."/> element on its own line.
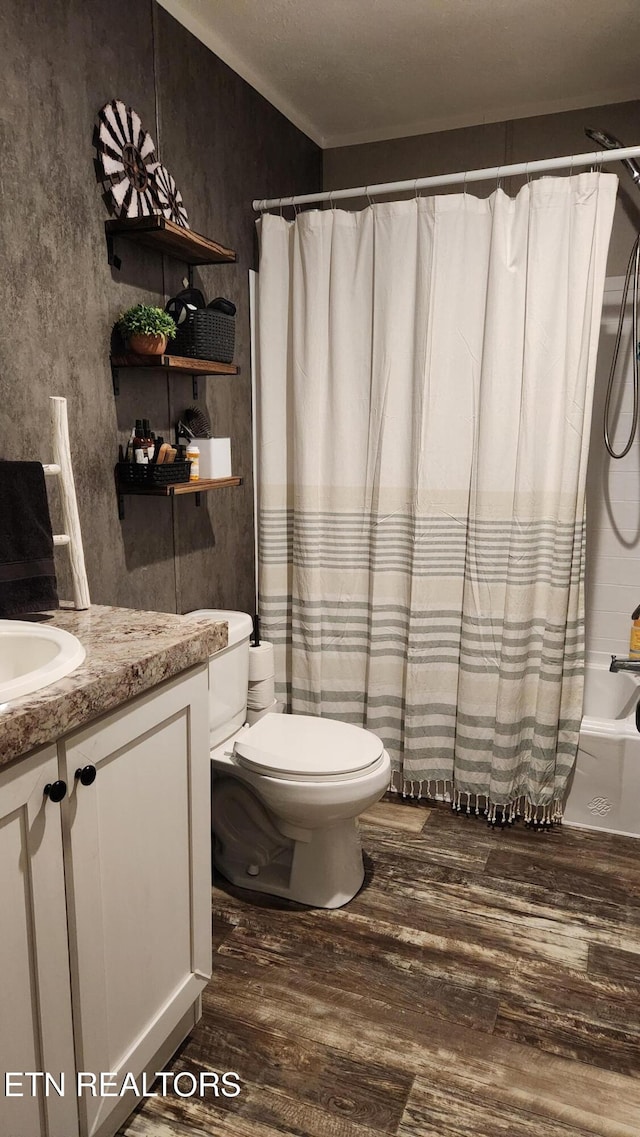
<point x="426" y="373"/>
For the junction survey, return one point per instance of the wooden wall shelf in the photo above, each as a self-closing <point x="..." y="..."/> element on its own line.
<point x="176" y="364"/>
<point x="173" y="489"/>
<point x="165" y="236"/>
<point x="179" y="364"/>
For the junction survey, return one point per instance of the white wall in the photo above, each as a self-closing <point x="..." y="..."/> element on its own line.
<point x="613" y="496"/>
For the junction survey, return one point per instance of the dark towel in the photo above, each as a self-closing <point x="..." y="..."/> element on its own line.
<point x="27" y="572"/>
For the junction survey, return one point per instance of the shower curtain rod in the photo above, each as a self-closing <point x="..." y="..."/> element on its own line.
<point x="570" y="161"/>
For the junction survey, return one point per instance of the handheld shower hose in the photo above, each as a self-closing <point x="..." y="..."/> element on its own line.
<point x="633" y="265"/>
<point x="608" y="142"/>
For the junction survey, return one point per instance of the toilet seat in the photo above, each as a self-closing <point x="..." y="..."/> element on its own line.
<point x="304" y="747"/>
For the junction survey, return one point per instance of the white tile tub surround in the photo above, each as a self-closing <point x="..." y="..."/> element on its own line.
<point x="613" y="497"/>
<point x="604" y="792"/>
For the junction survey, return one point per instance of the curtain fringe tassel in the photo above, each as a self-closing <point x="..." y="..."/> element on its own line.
<point x="466" y="802"/>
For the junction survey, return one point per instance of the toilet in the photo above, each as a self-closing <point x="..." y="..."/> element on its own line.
<point x="286" y="791"/>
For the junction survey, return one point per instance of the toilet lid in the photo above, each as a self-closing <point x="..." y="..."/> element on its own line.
<point x="307" y="745"/>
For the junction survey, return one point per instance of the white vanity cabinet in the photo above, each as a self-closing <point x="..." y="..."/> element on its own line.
<point x="134" y="839"/>
<point x="35" y="999"/>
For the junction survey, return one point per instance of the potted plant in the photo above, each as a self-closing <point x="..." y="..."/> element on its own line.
<point x="147" y="329"/>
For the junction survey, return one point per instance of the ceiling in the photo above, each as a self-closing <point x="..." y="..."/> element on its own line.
<point x="351" y="71"/>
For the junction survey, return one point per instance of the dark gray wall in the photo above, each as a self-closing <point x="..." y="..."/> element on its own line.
<point x="495" y="144"/>
<point x="60" y="62"/>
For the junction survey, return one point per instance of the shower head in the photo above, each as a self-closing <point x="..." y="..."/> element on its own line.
<point x="609" y="142"/>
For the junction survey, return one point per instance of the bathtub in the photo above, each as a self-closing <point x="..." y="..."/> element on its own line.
<point x="604" y="791"/>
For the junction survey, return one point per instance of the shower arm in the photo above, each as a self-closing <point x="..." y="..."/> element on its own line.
<point x="610" y="142"/>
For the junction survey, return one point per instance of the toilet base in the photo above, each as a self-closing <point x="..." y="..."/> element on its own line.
<point x="325" y="872"/>
<point x="328" y="870"/>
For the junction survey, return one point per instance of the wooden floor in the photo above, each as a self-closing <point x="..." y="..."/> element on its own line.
<point x="482" y="983"/>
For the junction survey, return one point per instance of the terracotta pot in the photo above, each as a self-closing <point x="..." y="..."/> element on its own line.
<point x="147" y="344"/>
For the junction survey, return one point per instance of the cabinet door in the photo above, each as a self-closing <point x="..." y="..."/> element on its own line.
<point x="36" y="1035"/>
<point x="138" y="859"/>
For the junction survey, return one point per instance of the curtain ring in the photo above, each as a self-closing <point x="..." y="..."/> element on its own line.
<point x="526" y="173"/>
<point x="498" y="186"/>
<point x="366" y="190"/>
<point x="331" y="205"/>
<point x="464" y="183"/>
<point x="415" y="190"/>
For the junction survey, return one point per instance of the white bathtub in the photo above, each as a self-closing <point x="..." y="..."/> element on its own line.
<point x="604" y="791"/>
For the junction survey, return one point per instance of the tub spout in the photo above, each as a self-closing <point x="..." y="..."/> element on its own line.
<point x="624" y="664"/>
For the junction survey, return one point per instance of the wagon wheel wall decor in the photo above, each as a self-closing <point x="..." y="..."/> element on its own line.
<point x="169" y="197"/>
<point x="126" y="160"/>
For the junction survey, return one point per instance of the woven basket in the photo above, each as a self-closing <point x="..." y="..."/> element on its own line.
<point x="139" y="474"/>
<point x="206" y="334"/>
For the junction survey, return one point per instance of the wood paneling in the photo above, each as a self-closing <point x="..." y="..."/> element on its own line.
<point x="225" y="145"/>
<point x="613" y="963"/>
<point x="483" y="983"/>
<point x="385" y="813"/>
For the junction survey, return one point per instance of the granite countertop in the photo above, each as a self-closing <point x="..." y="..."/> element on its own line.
<point x="127" y="653"/>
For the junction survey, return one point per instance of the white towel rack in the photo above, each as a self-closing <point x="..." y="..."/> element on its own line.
<point x="61" y="467"/>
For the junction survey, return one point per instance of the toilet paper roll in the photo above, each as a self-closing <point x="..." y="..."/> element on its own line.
<point x="275" y="709"/>
<point x="261" y="693"/>
<point x="261" y="662"/>
<point x="257" y="685"/>
<point x="258" y="706"/>
<point x="257" y="703"/>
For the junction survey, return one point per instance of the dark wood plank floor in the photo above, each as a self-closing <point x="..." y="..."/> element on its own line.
<point x="482" y="983"/>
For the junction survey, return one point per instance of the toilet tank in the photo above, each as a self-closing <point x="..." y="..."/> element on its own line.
<point x="228" y="675"/>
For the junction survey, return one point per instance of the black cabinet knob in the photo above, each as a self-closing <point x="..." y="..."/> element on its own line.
<point x="55" y="791"/>
<point x="87" y="775"/>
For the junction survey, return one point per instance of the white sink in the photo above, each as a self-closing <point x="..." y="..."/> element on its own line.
<point x="33" y="655"/>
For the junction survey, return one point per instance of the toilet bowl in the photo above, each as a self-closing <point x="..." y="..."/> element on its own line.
<point x="286" y="791"/>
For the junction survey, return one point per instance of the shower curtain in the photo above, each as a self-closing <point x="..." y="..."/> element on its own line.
<point x="426" y="373"/>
